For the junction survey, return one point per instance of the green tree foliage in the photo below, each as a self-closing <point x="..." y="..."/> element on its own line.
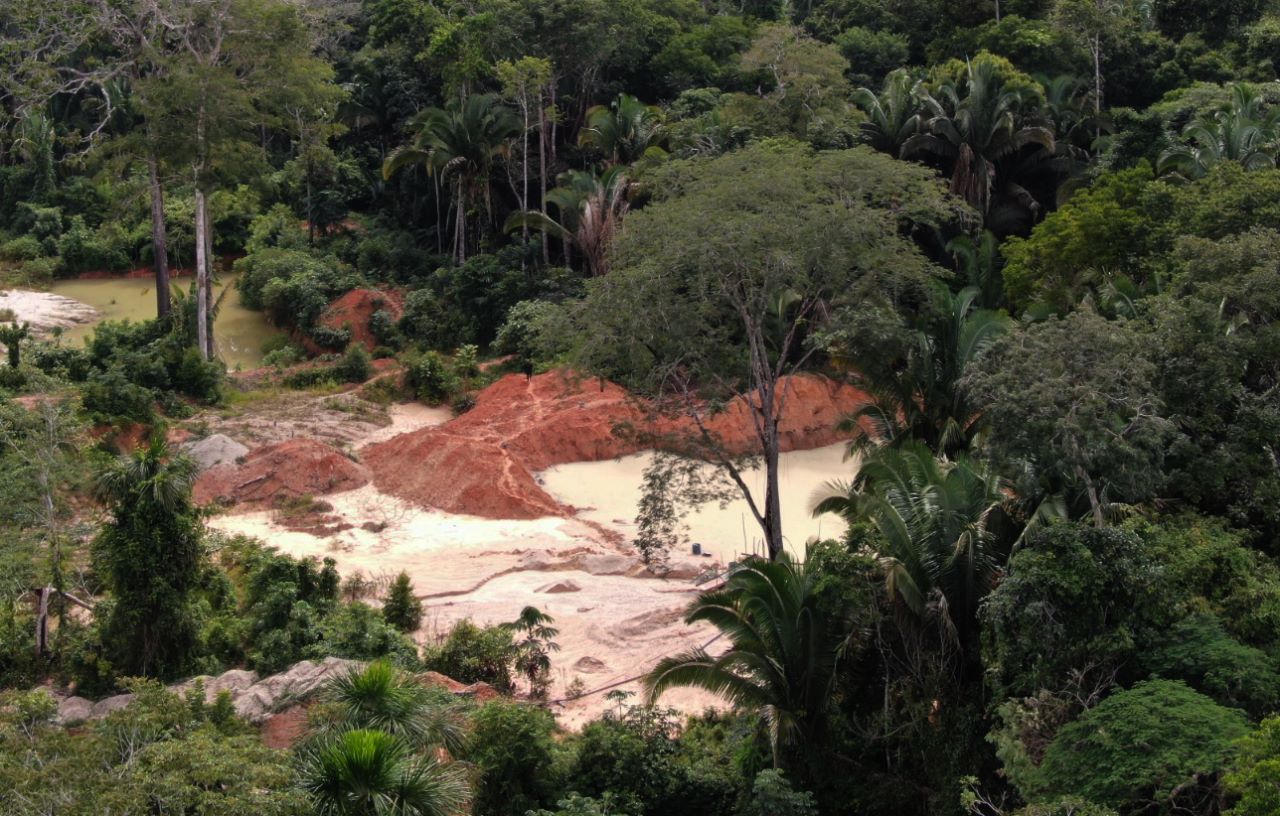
<point x="974" y="123"/>
<point x="459" y="145"/>
<point x="1255" y="772"/>
<point x="381" y="697"/>
<point x="635" y="759"/>
<point x="716" y="289"/>
<point x="515" y="757"/>
<point x="160" y="754"/>
<point x="1101" y="234"/>
<point x="1076" y="606"/>
<point x="913" y="368"/>
<point x="471" y="654"/>
<point x="402" y="609"/>
<point x="534" y="647"/>
<point x="1157" y="746"/>
<point x="1072" y="409"/>
<point x="150" y="553"/>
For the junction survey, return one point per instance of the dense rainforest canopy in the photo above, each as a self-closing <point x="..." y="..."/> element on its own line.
<point x="1041" y="237"/>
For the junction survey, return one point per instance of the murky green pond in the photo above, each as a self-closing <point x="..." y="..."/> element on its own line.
<point x="238" y="332"/>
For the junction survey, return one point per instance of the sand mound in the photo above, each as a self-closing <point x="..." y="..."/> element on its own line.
<point x="354" y="309"/>
<point x="298" y="467"/>
<point x="482" y="463"/>
<point x="214" y="450"/>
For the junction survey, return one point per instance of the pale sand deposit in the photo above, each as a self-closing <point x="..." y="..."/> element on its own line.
<point x="613" y="627"/>
<point x="46" y="311"/>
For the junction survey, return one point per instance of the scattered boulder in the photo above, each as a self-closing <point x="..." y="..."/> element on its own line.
<point x="74" y="710"/>
<point x="559" y="587"/>
<point x="590" y="665"/>
<point x="302" y="680"/>
<point x="609" y="564"/>
<point x="218" y="449"/>
<point x="105" y="706"/>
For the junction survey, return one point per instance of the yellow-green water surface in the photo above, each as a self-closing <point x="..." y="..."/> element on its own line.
<point x="238" y="332"/>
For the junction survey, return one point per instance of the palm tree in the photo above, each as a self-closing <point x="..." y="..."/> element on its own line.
<point x="379" y="696"/>
<point x="459" y="145"/>
<point x="782" y="655"/>
<point x="533" y="653"/>
<point x="1243" y="131"/>
<point x="972" y="126"/>
<point x="34" y="142"/>
<point x="936" y="544"/>
<point x="372" y="773"/>
<point x="893" y="114"/>
<point x="979" y="261"/>
<point x="625" y="130"/>
<point x="591" y="207"/>
<point x="150" y="475"/>
<point x="918" y="397"/>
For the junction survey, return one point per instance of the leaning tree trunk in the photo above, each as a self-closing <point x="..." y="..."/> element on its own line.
<point x="202" y="275"/>
<point x="159" y="239"/>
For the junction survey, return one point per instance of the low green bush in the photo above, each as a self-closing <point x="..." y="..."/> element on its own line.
<point x="472" y="654"/>
<point x="430" y="378"/>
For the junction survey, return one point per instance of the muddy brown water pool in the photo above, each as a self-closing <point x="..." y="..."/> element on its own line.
<point x="238" y="331"/>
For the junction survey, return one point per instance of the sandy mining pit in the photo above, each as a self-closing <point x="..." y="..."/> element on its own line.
<point x="569" y="555"/>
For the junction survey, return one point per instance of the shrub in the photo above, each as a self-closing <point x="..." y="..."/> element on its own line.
<point x="84" y="250"/>
<point x="59" y="361"/>
<point x="513" y="751"/>
<point x="402" y="609"/>
<point x="534" y="333"/>
<point x="636" y="757"/>
<point x="40" y="270"/>
<point x="429" y="378"/>
<point x="358" y="632"/>
<point x="384" y="329"/>
<point x="471" y="654"/>
<point x="872" y="54"/>
<point x="22" y="248"/>
<point x="309" y="377"/>
<point x="772" y="795"/>
<point x="284" y="357"/>
<point x="110" y="395"/>
<point x="354" y="367"/>
<point x="196" y="376"/>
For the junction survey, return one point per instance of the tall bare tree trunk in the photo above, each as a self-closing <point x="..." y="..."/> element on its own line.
<point x="159" y="238"/>
<point x="208" y="284"/>
<point x="542" y="171"/>
<point x="202" y="276"/>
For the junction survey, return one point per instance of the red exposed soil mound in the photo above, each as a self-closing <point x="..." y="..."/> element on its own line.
<point x="482" y="463"/>
<point x="354" y="310"/>
<point x="298" y="467"/>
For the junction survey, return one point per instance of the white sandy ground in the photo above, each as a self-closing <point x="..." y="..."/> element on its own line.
<point x="613" y="628"/>
<point x="46" y="311"/>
